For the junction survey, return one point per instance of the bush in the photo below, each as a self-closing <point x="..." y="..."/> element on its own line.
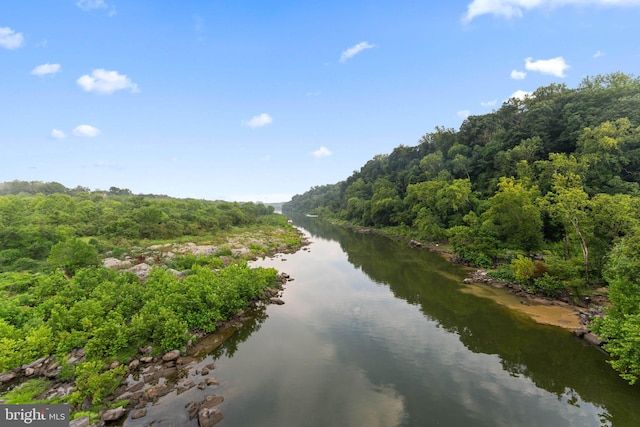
<point x="548" y="285"/>
<point x="523" y="269"/>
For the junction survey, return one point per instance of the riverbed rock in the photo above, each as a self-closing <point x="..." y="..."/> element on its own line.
<point x="138" y="413"/>
<point x="80" y="422"/>
<point x="211" y="381"/>
<point x="210" y="401"/>
<point x="7" y="376"/>
<point x="209" y="417"/>
<point x="276" y="301"/>
<point x="113" y="414"/>
<point x="172" y="355"/>
<point x="592" y="339"/>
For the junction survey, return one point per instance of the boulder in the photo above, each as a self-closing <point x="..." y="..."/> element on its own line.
<point x="138" y="413"/>
<point x="115" y="263"/>
<point x="135" y="363"/>
<point x="210" y="401"/>
<point x="141" y="270"/>
<point x="113" y="414"/>
<point x="80" y="422"/>
<point x="209" y="417"/>
<point x="172" y="355"/>
<point x="7" y="376"/>
<point x="274" y="300"/>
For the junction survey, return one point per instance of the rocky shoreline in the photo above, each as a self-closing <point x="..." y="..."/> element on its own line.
<point x="591" y="308"/>
<point x="148" y="377"/>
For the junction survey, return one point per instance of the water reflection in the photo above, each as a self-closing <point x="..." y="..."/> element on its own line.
<point x="374" y="333"/>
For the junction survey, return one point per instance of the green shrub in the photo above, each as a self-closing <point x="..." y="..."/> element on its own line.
<point x="548" y="285"/>
<point x="523" y="269"/>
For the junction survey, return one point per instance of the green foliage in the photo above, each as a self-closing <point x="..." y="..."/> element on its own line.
<point x="548" y="285"/>
<point x="523" y="269"/>
<point x="72" y="255"/>
<point x="94" y="383"/>
<point x="27" y="392"/>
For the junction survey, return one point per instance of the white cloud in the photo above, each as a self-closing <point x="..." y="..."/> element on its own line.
<point x="514" y="8"/>
<point x="9" y="39"/>
<point x="554" y="66"/>
<point x="258" y="121"/>
<point x="92" y="4"/>
<point x="488" y="104"/>
<point x="598" y="54"/>
<point x="105" y="81"/>
<point x="44" y="69"/>
<point x="352" y="51"/>
<point x="86" y="131"/>
<point x="521" y="95"/>
<point x="518" y="75"/>
<point x="57" y="134"/>
<point x="321" y="152"/>
<point x="463" y="113"/>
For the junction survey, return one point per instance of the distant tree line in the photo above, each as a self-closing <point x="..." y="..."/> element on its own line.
<point x="34" y="216"/>
<point x="556" y="175"/>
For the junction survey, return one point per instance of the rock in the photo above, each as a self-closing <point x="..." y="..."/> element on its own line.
<point x="211" y="366"/>
<point x="276" y="301"/>
<point x="185" y="386"/>
<point x="580" y="332"/>
<point x="210" y="401"/>
<point x="146" y="359"/>
<point x="209" y="417"/>
<point x="114" y="365"/>
<point x="7" y="376"/>
<point x="415" y="244"/>
<point x="135" y="363"/>
<point x="172" y="355"/>
<point x="212" y="381"/>
<point x="192" y="409"/>
<point x="29" y="371"/>
<point x="156" y="392"/>
<point x="115" y="263"/>
<point x="138" y="413"/>
<point x="202" y="385"/>
<point x="80" y="422"/>
<point x="141" y="270"/>
<point x="113" y="414"/>
<point x="204" y="372"/>
<point x="592" y="339"/>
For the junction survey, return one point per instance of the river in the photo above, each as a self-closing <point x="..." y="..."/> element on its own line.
<point x="375" y="333"/>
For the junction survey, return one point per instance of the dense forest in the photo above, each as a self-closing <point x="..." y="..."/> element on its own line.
<point x="58" y="298"/>
<point x="544" y="190"/>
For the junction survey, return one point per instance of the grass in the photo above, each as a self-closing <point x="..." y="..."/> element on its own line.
<point x="27" y="392"/>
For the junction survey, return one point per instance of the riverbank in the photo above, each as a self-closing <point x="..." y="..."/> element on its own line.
<point x="561" y="312"/>
<point x="148" y="374"/>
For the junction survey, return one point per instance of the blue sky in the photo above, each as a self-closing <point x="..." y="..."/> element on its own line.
<point x="260" y="100"/>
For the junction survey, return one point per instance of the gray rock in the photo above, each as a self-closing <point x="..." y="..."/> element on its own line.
<point x="113" y="414"/>
<point x="209" y="417"/>
<point x="29" y="371"/>
<point x="7" y="376"/>
<point x="138" y="413"/>
<point x="276" y="301"/>
<point x="212" y="381"/>
<point x="210" y="401"/>
<point x="141" y="270"/>
<point x="172" y="355"/>
<point x="80" y="422"/>
<point x="115" y="263"/>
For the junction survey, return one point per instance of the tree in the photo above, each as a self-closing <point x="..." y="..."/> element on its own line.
<point x="620" y="328"/>
<point x="514" y="216"/>
<point x="72" y="255"/>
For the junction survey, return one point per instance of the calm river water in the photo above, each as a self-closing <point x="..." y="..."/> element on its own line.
<point x="377" y="334"/>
